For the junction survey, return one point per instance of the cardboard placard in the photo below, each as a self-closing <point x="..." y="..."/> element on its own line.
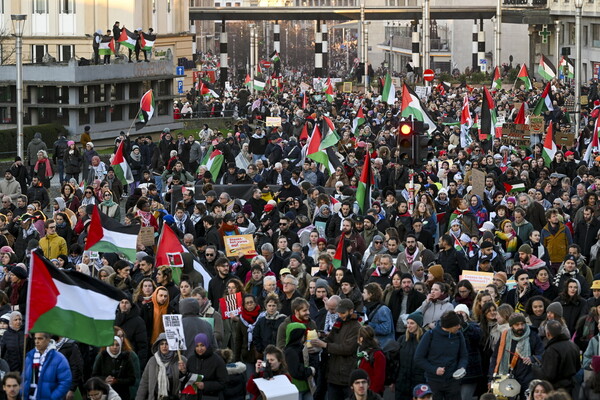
<point x="278" y="388"/>
<point x="173" y="324"/>
<point x="146" y="236"/>
<point x="515" y="134"/>
<point x="273" y="121"/>
<point x="239" y="245"/>
<point x="347" y="88"/>
<point x="564" y="138"/>
<point x="477" y="182"/>
<point x="230" y="305"/>
<point x="536" y="125"/>
<point x="479" y="280"/>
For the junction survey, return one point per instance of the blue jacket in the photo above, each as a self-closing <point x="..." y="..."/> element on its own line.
<point x="55" y="379"/>
<point x="380" y="319"/>
<point x="439" y="348"/>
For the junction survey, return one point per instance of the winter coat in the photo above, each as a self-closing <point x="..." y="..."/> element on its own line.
<point x="282" y="329"/>
<point x="573" y="311"/>
<point x="265" y="331"/>
<point x="72" y="162"/>
<point x="560" y="363"/>
<point x="294" y="357"/>
<point x="472" y="334"/>
<point x="341" y="347"/>
<point x="55" y="379"/>
<point x="375" y="367"/>
<point x="120" y="368"/>
<point x="53" y="246"/>
<point x="414" y="301"/>
<point x="33" y="147"/>
<point x="135" y="329"/>
<point x="432" y="311"/>
<point x="70" y="350"/>
<point x="453" y="262"/>
<point x="149" y="382"/>
<point x="193" y="325"/>
<point x="380" y="319"/>
<point x="440" y="348"/>
<point x="212" y="367"/>
<point x="10" y="188"/>
<point x="409" y="373"/>
<point x="11" y="348"/>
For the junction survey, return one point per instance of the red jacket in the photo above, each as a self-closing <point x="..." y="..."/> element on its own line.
<point x="376" y="370"/>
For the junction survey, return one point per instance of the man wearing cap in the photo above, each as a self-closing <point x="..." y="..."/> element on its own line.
<point x="517" y="350"/>
<point x="375" y="248"/>
<point x="370" y="229"/>
<point x="359" y="385"/>
<point x="422" y="391"/>
<point x="528" y="261"/>
<point x="568" y="271"/>
<point x="10" y="187"/>
<point x="230" y="175"/>
<point x="341" y="345"/>
<point x="442" y="352"/>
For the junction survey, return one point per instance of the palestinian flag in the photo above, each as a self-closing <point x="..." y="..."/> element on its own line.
<point x="329" y="134"/>
<point x="544" y="103"/>
<point x="457" y="245"/>
<point x="358" y="121"/>
<point x="388" y="95"/>
<point x="248" y="81"/>
<point x="128" y="38"/>
<point x="259" y="85"/>
<point x="546" y="69"/>
<point x="566" y="68"/>
<point x="496" y="80"/>
<point x="313" y="147"/>
<point x="304" y="133"/>
<point x="523" y="77"/>
<point x="205" y="90"/>
<point x="412" y="107"/>
<point x="107" y="46"/>
<point x="520" y="119"/>
<point x="188" y="382"/>
<point x="549" y="149"/>
<point x="213" y="160"/>
<point x="304" y="100"/>
<point x="593" y="147"/>
<point x="329" y="92"/>
<point x="466" y="121"/>
<point x="443" y="88"/>
<point x="169" y="252"/>
<point x="341" y="259"/>
<point x="146" y="110"/>
<point x="120" y="165"/>
<point x="365" y="183"/>
<point x="517" y="187"/>
<point x="70" y="304"/>
<point x="107" y="235"/>
<point x="147" y="41"/>
<point x="488" y="116"/>
<point x="275" y="56"/>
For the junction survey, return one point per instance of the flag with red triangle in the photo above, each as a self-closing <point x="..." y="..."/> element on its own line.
<point x="496" y="80"/>
<point x="341" y="259"/>
<point x="523" y="78"/>
<point x="520" y="119"/>
<point x="146" y="110"/>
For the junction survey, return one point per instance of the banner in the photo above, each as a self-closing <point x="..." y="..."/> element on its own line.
<point x="479" y="280"/>
<point x="239" y="245"/>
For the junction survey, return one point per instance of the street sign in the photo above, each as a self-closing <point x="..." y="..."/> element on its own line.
<point x="428" y="75"/>
<point x="180" y="87"/>
<point x="179" y="71"/>
<point x="266" y="64"/>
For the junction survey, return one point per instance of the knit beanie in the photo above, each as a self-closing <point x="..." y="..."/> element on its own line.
<point x="501" y="275"/>
<point x="321" y="283"/>
<point x="556" y="308"/>
<point x="525" y="248"/>
<point x="437" y="271"/>
<point x="516" y="318"/>
<point x="449" y="320"/>
<point x="417" y="316"/>
<point x="358" y="374"/>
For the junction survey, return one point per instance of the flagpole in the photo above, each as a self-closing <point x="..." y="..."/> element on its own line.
<point x="134" y="119"/>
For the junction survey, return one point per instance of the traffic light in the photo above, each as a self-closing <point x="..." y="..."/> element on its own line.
<point x="412" y="142"/>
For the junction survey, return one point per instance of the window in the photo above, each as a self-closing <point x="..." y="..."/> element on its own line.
<point x="40" y="6"/>
<point x="66" y="52"/>
<point x="37" y="52"/>
<point x="1" y="6"/>
<point x="595" y="35"/>
<point x="67" y="6"/>
<point x="585" y="35"/>
<point x="100" y="114"/>
<point x="571" y="33"/>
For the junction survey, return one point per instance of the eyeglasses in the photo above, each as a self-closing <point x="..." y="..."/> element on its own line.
<point x="88" y="192"/>
<point x="378" y="242"/>
<point x="282" y="224"/>
<point x="209" y="255"/>
<point x="52" y="227"/>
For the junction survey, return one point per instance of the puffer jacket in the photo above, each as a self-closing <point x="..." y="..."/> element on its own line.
<point x="55" y="379"/>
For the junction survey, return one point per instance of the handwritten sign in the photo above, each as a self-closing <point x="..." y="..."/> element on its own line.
<point x="347" y="88"/>
<point x="536" y="125"/>
<point x="477" y="182"/>
<point x="239" y="245"/>
<point x="173" y="324"/>
<point x="515" y="134"/>
<point x="479" y="280"/>
<point x="146" y="236"/>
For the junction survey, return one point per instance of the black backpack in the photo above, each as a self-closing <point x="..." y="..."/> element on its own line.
<point x="392" y="361"/>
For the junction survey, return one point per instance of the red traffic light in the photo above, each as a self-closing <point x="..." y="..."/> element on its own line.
<point x="406" y="129"/>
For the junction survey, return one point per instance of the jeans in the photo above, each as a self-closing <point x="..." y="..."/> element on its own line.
<point x="337" y="392"/>
<point x="467" y="391"/>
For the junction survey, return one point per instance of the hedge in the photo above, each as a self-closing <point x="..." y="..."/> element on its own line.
<point x="50" y="133"/>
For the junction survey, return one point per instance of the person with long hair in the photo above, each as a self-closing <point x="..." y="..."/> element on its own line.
<point x="244" y="325"/>
<point x="508" y="240"/>
<point x="409" y="374"/>
<point x="267" y="324"/>
<point x="543" y="283"/>
<point x="490" y="332"/>
<point x="483" y="296"/>
<point x="371" y="359"/>
<point x="535" y="310"/>
<point x="185" y="291"/>
<point x="539" y="389"/>
<point x="13" y="341"/>
<point x="161" y="376"/>
<point x="435" y="305"/>
<point x="273" y="364"/>
<point x="113" y="364"/>
<point x="574" y="306"/>
<point x="465" y="294"/>
<point x="96" y="388"/>
<point x="554" y="312"/>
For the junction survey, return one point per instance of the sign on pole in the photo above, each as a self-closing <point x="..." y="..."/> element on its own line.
<point x="173" y="324"/>
<point x="428" y="75"/>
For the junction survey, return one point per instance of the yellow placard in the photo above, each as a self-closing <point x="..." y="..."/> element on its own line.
<point x="239" y="245"/>
<point x="479" y="280"/>
<point x="273" y="121"/>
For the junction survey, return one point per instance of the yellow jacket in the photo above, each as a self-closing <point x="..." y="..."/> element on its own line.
<point x="53" y="246"/>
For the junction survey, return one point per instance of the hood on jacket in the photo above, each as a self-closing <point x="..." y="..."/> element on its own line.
<point x="189" y="307"/>
<point x="294" y="332"/>
<point x="236" y="368"/>
<point x="61" y="203"/>
<point x="160" y="337"/>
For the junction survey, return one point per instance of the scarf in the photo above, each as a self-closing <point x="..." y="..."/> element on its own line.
<point x="249" y="319"/>
<point x="135" y="157"/>
<point x="162" y="361"/>
<point x="410" y="258"/>
<point x="159" y="311"/>
<point x="38" y="363"/>
<point x="294" y="319"/>
<point x="15" y="292"/>
<point x="510" y="239"/>
<point x="544" y="286"/>
<point x="120" y="341"/>
<point x="523" y="348"/>
<point x="48" y="168"/>
<point x="564" y="272"/>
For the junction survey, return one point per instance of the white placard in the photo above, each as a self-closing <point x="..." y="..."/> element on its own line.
<point x="423" y="91"/>
<point x="173" y="324"/>
<point x="278" y="388"/>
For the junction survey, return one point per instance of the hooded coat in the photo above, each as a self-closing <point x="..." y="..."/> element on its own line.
<point x="294" y="358"/>
<point x="213" y="368"/>
<point x="193" y="324"/>
<point x="135" y="330"/>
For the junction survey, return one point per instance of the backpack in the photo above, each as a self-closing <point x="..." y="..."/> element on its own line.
<point x="391" y="351"/>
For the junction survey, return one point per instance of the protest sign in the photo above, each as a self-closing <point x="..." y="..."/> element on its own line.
<point x="479" y="280"/>
<point x="231" y="305"/>
<point x="477" y="182"/>
<point x="146" y="236"/>
<point x="239" y="245"/>
<point x="278" y="388"/>
<point x="173" y="324"/>
<point x="273" y="121"/>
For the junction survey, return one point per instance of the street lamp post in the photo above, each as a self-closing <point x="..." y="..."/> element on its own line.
<point x="578" y="7"/>
<point x="18" y="23"/>
<point x="391" y="54"/>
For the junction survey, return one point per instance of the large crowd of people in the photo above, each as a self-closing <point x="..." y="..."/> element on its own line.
<point x="387" y="310"/>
